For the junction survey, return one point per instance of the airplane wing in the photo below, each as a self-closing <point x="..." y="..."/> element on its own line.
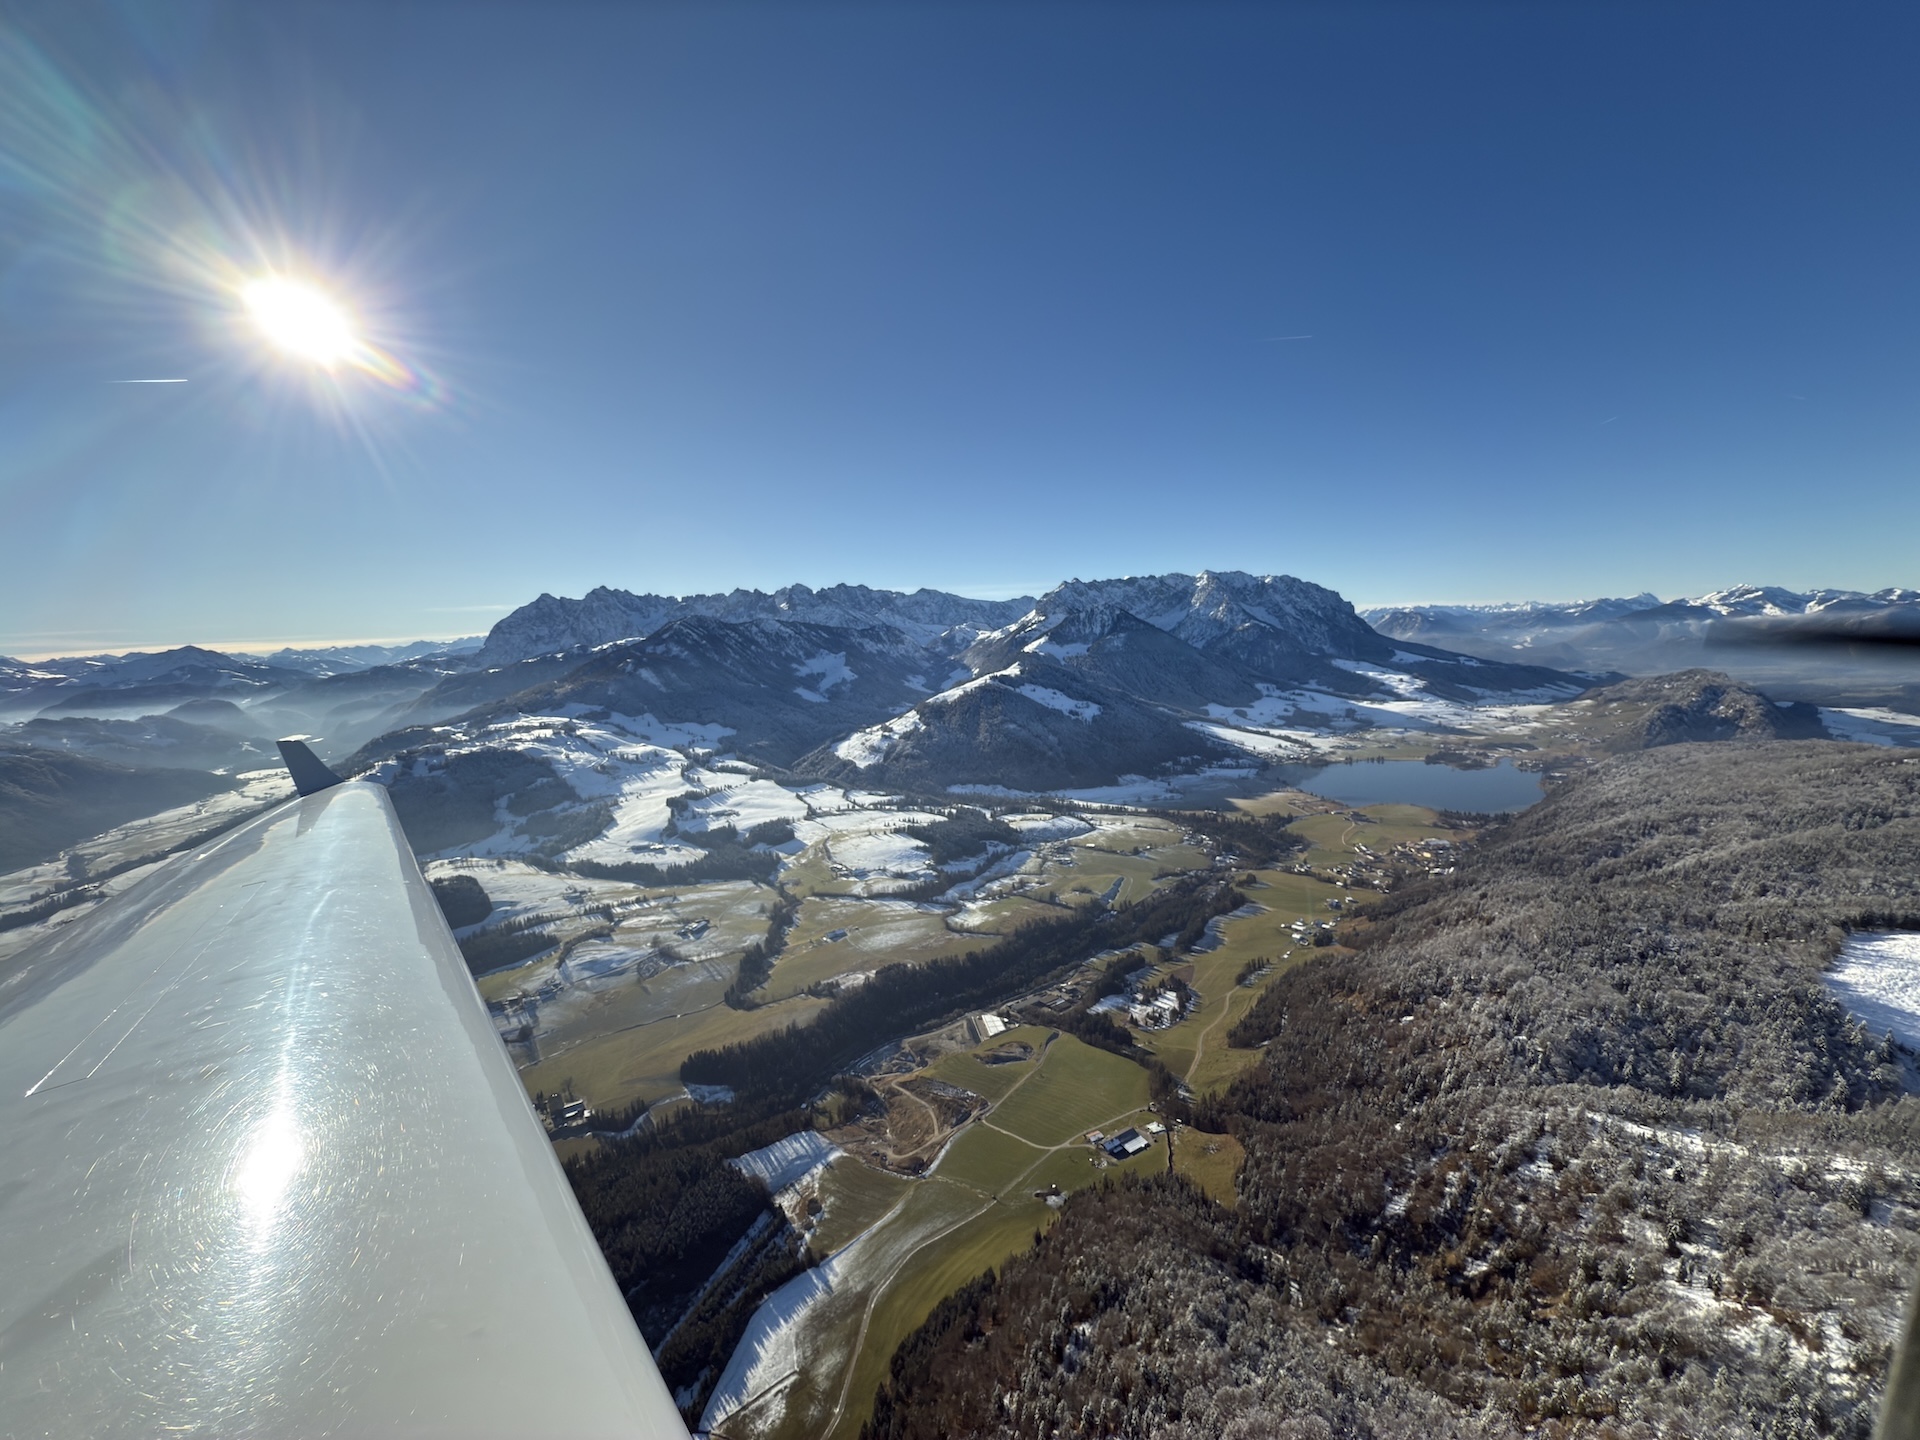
<point x="265" y="1168"/>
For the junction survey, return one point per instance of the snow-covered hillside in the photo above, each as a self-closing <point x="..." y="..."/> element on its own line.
<point x="1150" y="675"/>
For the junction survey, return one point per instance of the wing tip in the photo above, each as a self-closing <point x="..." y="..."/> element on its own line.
<point x="310" y="773"/>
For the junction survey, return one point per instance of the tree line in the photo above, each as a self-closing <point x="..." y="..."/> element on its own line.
<point x="793" y="1063"/>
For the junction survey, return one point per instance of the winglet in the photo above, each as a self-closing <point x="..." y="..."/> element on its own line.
<point x="309" y="772"/>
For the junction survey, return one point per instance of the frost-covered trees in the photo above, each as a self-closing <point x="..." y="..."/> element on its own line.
<point x="1579" y="1140"/>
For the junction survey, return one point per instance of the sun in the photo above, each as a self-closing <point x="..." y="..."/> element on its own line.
<point x="301" y="320"/>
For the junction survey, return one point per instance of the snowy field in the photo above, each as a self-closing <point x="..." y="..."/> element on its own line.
<point x="1035" y="828"/>
<point x="601" y="960"/>
<point x="768" y="1353"/>
<point x="883" y="852"/>
<point x="743" y="803"/>
<point x="1268" y="744"/>
<point x="1413" y="707"/>
<point x="519" y="891"/>
<point x="1872" y="726"/>
<point x="1877" y="977"/>
<point x="625" y="761"/>
<point x="869" y="747"/>
<point x="258" y="790"/>
<point x="805" y="1328"/>
<point x="789" y="1161"/>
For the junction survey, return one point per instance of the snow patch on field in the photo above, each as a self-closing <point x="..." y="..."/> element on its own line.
<point x="830" y="667"/>
<point x="1083" y="710"/>
<point x="872" y="745"/>
<point x="768" y="1352"/>
<point x="829" y="822"/>
<point x="1411" y="708"/>
<point x="967" y="686"/>
<point x="789" y="1161"/>
<point x="743" y="806"/>
<point x="1259" y="742"/>
<point x="1044" y="646"/>
<point x="680" y="735"/>
<point x="1048" y="827"/>
<point x="981" y="884"/>
<point x="600" y="960"/>
<point x="593" y="759"/>
<point x="640" y="814"/>
<point x="1877" y="977"/>
<point x="878" y="853"/>
<point x="520" y="891"/>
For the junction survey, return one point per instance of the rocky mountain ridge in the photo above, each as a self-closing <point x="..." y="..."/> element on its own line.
<point x="1644" y="635"/>
<point x="1140" y="676"/>
<point x="604" y="615"/>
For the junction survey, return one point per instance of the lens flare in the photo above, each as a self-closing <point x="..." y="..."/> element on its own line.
<point x="301" y="320"/>
<point x="182" y="241"/>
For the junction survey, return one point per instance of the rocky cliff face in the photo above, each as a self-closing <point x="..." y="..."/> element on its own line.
<point x="604" y="615"/>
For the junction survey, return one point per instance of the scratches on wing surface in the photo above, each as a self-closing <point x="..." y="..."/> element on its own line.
<point x="55" y="1313"/>
<point x="112" y="1030"/>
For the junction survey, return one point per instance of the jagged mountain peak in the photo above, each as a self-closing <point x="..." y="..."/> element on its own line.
<point x="1201" y="609"/>
<point x="605" y="615"/>
<point x="1745" y="599"/>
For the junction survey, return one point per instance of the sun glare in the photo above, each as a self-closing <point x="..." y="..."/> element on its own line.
<point x="301" y="320"/>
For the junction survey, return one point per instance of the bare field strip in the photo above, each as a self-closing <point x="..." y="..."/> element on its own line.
<point x="616" y="1069"/>
<point x="854" y="1196"/>
<point x="967" y="1070"/>
<point x="985" y="1242"/>
<point x="1078" y="1087"/>
<point x="871" y="933"/>
<point x="988" y="1160"/>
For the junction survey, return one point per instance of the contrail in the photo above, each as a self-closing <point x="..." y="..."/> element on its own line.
<point x="176" y="380"/>
<point x="1265" y="338"/>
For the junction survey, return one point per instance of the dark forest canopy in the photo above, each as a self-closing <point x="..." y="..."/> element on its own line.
<point x="1580" y="1139"/>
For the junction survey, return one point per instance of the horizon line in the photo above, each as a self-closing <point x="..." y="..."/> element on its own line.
<point x="224" y="647"/>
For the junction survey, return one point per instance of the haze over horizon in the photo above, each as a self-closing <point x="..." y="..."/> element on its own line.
<point x="1480" y="304"/>
<point x="485" y="616"/>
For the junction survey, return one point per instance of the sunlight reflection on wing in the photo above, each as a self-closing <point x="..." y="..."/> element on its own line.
<point x="274" y="1153"/>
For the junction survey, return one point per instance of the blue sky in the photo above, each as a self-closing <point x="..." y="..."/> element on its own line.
<point x="1599" y="299"/>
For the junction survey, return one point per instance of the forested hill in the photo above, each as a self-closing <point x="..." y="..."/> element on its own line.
<point x="1577" y="1142"/>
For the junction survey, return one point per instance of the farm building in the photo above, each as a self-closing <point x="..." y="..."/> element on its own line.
<point x="985" y="1027"/>
<point x="1127" y="1142"/>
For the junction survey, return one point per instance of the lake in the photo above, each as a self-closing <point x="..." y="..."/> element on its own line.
<point x="1414" y="782"/>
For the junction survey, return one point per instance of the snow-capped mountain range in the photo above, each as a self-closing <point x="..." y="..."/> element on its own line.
<point x="144" y="678"/>
<point x="1103" y="687"/>
<point x="603" y="615"/>
<point x="1641" y="634"/>
<point x="1094" y="681"/>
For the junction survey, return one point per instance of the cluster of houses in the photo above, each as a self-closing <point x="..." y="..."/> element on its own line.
<point x="1314" y="932"/>
<point x="1436" y="856"/>
<point x="1148" y="1005"/>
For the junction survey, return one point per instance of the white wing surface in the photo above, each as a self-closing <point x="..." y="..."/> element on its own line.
<point x="266" y="1170"/>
